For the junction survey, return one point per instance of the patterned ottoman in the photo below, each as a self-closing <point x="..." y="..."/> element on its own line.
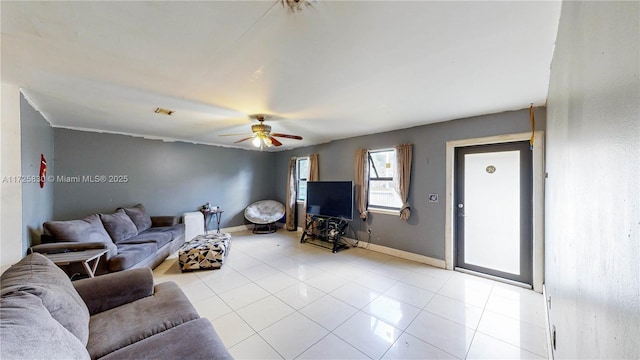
<point x="204" y="252"/>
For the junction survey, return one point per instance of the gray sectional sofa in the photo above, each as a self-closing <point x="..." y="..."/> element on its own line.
<point x="43" y="315"/>
<point x="134" y="239"/>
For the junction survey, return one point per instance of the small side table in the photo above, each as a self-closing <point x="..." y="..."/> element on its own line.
<point x="208" y="215"/>
<point x="84" y="257"/>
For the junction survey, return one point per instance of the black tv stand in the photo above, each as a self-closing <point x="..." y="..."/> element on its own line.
<point x="328" y="230"/>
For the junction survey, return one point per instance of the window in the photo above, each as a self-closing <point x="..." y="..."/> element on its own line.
<point x="382" y="194"/>
<point x="301" y="176"/>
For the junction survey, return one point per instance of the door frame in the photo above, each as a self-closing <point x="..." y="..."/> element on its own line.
<point x="522" y="165"/>
<point x="538" y="197"/>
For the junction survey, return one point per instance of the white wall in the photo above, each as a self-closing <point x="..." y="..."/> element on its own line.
<point x="592" y="192"/>
<point x="10" y="165"/>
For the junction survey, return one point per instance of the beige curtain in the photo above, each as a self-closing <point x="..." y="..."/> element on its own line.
<point x="403" y="176"/>
<point x="361" y="177"/>
<point x="290" y="206"/>
<point x="312" y="176"/>
<point x="313" y="168"/>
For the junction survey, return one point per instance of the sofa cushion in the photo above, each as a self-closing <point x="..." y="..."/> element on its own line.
<point x="27" y="331"/>
<point x="131" y="254"/>
<point x="194" y="340"/>
<point x="175" y="230"/>
<point x="159" y="238"/>
<point x="124" y="325"/>
<point x="89" y="229"/>
<point x="139" y="216"/>
<point x="119" y="226"/>
<point x="37" y="275"/>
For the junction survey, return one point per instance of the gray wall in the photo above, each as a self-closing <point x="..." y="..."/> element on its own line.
<point x="168" y="178"/>
<point x="424" y="232"/>
<point x="37" y="203"/>
<point x="592" y="193"/>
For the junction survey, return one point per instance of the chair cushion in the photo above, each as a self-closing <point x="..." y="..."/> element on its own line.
<point x="264" y="212"/>
<point x="37" y="275"/>
<point x="139" y="216"/>
<point x="28" y="331"/>
<point x="119" y="226"/>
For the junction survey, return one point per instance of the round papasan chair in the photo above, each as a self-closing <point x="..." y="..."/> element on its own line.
<point x="264" y="214"/>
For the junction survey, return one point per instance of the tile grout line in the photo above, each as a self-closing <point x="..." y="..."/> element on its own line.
<point x="355" y="262"/>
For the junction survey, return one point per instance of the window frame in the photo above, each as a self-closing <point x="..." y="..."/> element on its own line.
<point x="300" y="178"/>
<point x="370" y="163"/>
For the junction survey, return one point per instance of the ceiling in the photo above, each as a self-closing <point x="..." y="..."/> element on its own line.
<point x="334" y="70"/>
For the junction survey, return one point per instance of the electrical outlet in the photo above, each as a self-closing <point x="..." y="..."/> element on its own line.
<point x="369" y="231"/>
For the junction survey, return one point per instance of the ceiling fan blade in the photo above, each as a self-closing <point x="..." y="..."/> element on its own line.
<point x="245" y="139"/>
<point x="295" y="137"/>
<point x="233" y="134"/>
<point x="275" y="141"/>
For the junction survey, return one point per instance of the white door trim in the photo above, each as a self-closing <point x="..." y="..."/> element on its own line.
<point x="538" y="197"/>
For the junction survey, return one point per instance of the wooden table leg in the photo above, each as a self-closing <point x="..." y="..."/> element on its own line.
<point x="91" y="270"/>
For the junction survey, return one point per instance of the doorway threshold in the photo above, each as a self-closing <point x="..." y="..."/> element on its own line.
<point x="494" y="278"/>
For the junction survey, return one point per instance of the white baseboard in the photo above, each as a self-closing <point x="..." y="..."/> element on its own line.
<point x="235" y="228"/>
<point x="397" y="253"/>
<point x="403" y="254"/>
<point x="244" y="228"/>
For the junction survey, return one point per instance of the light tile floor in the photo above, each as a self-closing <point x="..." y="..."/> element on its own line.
<point x="275" y="298"/>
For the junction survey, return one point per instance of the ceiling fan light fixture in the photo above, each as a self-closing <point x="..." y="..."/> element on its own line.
<point x="295" y="6"/>
<point x="261" y="141"/>
<point x="261" y="128"/>
<point x="262" y="136"/>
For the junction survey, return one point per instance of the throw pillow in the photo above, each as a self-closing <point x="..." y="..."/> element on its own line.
<point x="139" y="216"/>
<point x="89" y="229"/>
<point x="119" y="226"/>
<point x="39" y="276"/>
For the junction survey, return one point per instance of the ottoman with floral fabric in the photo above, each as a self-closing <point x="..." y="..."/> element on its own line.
<point x="204" y="252"/>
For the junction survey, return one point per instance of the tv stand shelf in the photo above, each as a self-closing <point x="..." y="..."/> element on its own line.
<point x="328" y="230"/>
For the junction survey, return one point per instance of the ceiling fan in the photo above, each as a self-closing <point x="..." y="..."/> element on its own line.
<point x="262" y="135"/>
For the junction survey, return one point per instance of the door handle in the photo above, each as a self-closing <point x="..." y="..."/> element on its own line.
<point x="461" y="211"/>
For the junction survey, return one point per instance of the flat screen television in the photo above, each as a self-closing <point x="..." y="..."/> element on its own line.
<point x="332" y="199"/>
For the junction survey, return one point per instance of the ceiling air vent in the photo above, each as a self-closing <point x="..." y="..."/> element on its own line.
<point x="159" y="110"/>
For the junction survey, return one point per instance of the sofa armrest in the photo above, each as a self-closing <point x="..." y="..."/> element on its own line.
<point x="108" y="291"/>
<point x="157" y="221"/>
<point x="52" y="248"/>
